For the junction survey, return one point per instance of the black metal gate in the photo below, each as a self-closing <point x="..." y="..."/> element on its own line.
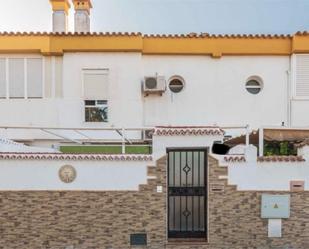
<point x="187" y="193"/>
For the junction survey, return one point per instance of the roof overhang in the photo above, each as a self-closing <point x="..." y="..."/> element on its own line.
<point x="192" y="44"/>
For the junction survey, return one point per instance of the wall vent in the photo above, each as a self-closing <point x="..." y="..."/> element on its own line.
<point x="138" y="239"/>
<point x="297" y="186"/>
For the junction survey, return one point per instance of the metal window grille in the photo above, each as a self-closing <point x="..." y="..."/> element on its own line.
<point x="187" y="193"/>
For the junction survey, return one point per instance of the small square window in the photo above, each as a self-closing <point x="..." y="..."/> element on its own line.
<point x="96" y="111"/>
<point x="90" y="102"/>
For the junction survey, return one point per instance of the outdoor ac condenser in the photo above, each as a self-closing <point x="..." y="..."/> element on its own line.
<point x="154" y="85"/>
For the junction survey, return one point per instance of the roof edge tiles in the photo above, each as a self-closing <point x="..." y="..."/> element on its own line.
<point x="189" y="35"/>
<point x="77" y="157"/>
<point x="188" y="131"/>
<point x="281" y="159"/>
<point x="235" y="159"/>
<point x="48" y="43"/>
<point x="266" y="159"/>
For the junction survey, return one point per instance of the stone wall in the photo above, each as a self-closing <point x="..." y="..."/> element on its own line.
<point x="93" y="220"/>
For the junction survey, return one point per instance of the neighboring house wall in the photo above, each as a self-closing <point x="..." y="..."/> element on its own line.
<point x="44" y="219"/>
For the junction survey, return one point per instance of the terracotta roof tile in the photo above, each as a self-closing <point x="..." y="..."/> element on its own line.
<point x="281" y="159"/>
<point x="302" y="33"/>
<point x="187" y="131"/>
<point x="203" y="35"/>
<point x="235" y="159"/>
<point x="189" y="35"/>
<point x="5" y="33"/>
<point x="302" y="144"/>
<point x="87" y="157"/>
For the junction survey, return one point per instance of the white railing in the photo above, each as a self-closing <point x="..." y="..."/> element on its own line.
<point x="81" y="131"/>
<point x="127" y="140"/>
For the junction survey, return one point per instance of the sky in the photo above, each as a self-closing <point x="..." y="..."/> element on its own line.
<point x="168" y="16"/>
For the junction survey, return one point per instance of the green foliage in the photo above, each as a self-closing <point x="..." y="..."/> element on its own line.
<point x="283" y="148"/>
<point x="134" y="149"/>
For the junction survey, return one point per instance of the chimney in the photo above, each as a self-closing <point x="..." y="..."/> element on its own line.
<point x="60" y="15"/>
<point x="82" y="15"/>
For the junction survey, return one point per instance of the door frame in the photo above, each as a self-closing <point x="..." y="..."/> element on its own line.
<point x="206" y="180"/>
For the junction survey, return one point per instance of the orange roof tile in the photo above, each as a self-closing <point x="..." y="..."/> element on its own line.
<point x="281" y="159"/>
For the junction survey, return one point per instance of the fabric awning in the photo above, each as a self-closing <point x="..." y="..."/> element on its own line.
<point x="286" y="135"/>
<point x="272" y="134"/>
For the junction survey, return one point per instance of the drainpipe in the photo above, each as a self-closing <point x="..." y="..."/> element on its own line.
<point x="289" y="106"/>
<point x="261" y="141"/>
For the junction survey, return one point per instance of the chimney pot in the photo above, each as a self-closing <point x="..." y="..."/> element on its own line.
<point x="82" y="16"/>
<point x="60" y="15"/>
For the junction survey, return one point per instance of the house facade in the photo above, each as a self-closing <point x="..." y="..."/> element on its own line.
<point x="190" y="91"/>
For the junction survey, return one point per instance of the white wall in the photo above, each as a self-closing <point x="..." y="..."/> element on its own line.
<point x="299" y="109"/>
<point x="267" y="176"/>
<point x="215" y="90"/>
<point x="91" y="175"/>
<point x="161" y="143"/>
<point x="125" y="99"/>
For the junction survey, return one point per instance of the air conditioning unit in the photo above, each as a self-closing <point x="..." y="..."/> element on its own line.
<point x="147" y="134"/>
<point x="154" y="85"/>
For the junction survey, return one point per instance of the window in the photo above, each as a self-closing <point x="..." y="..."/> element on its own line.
<point x="34" y="78"/>
<point x="254" y="85"/>
<point x="176" y="84"/>
<point x="16" y="78"/>
<point x="301" y="75"/>
<point x="21" y="78"/>
<point x="2" y="78"/>
<point x="96" y="111"/>
<point x="95" y="84"/>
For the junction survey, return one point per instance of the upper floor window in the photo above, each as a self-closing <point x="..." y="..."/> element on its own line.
<point x="21" y="78"/>
<point x="301" y="75"/>
<point x="96" y="111"/>
<point x="95" y="85"/>
<point x="176" y="84"/>
<point x="254" y="85"/>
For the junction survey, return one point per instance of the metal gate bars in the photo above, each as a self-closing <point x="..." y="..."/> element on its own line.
<point x="187" y="193"/>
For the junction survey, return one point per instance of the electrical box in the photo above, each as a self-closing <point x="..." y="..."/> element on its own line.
<point x="275" y="206"/>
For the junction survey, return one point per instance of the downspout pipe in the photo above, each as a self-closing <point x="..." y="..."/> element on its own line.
<point x="289" y="96"/>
